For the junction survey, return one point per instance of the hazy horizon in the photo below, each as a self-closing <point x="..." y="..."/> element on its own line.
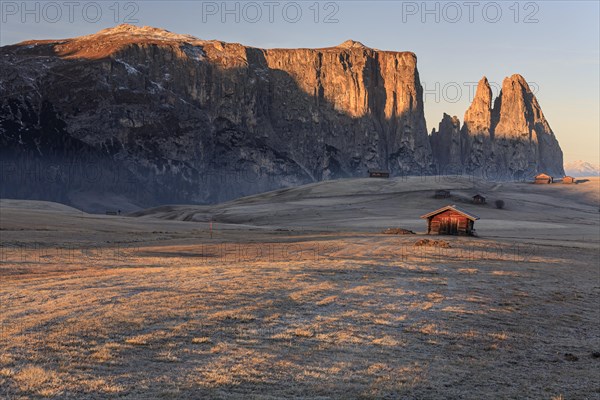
<point x="554" y="45"/>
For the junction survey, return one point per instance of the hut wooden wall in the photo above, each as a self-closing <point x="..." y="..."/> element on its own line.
<point x="464" y="223"/>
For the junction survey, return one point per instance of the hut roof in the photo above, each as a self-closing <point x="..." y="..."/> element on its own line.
<point x="472" y="217"/>
<point x="542" y="176"/>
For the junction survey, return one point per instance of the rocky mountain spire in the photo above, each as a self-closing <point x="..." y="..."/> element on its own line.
<point x="446" y="145"/>
<point x="477" y="129"/>
<point x="516" y="110"/>
<point x="509" y="141"/>
<point x="523" y="138"/>
<point x="478" y="117"/>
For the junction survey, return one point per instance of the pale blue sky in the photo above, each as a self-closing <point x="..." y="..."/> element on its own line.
<point x="557" y="50"/>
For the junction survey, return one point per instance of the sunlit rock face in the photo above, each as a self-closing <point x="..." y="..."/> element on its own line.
<point x="162" y="117"/>
<point x="511" y="140"/>
<point x="476" y="131"/>
<point x="523" y="139"/>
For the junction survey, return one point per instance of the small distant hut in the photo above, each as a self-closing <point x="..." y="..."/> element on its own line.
<point x="478" y="199"/>
<point x="441" y="194"/>
<point x="543" y="179"/>
<point x="450" y="220"/>
<point x="373" y="173"/>
<point x="569" y="180"/>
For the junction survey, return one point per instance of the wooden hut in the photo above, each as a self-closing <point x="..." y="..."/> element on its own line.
<point x="543" y="179"/>
<point x="569" y="179"/>
<point x="378" y="174"/>
<point x="478" y="199"/>
<point x="450" y="220"/>
<point x="441" y="194"/>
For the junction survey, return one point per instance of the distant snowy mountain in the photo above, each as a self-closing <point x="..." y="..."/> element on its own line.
<point x="582" y="168"/>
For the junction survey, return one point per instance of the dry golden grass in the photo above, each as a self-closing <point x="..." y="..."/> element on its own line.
<point x="201" y="340"/>
<point x="505" y="273"/>
<point x="499" y="335"/>
<point x="350" y="326"/>
<point x="36" y="380"/>
<point x="386" y="341"/>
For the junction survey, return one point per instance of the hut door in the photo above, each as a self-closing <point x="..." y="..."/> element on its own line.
<point x="453" y="226"/>
<point x="449" y="226"/>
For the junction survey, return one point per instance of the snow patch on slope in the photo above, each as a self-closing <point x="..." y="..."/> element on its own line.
<point x="193" y="52"/>
<point x="130" y="70"/>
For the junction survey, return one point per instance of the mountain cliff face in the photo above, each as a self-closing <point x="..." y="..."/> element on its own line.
<point x="446" y="144"/>
<point x="511" y="140"/>
<point x="476" y="132"/>
<point x="148" y="117"/>
<point x="137" y="116"/>
<point x="523" y="138"/>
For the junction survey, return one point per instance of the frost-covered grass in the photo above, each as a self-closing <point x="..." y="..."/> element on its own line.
<point x="167" y="321"/>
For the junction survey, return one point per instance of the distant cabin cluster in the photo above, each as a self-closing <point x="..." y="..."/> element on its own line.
<point x="545" y="179"/>
<point x="452" y="220"/>
<point x="440" y="194"/>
